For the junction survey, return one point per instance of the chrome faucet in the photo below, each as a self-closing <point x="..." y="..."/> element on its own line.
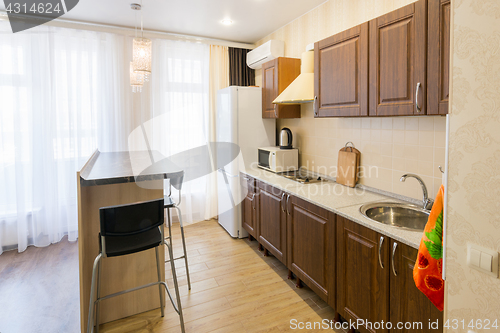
<point x="427" y="203"/>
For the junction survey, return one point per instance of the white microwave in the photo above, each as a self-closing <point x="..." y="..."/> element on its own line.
<point x="278" y="160"/>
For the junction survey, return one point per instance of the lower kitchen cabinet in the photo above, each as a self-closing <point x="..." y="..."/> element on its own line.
<point x="272" y="220"/>
<point x="362" y="273"/>
<point x="311" y="246"/>
<point x="359" y="272"/>
<point x="375" y="281"/>
<point x="301" y="235"/>
<point x="408" y="304"/>
<point x="249" y="206"/>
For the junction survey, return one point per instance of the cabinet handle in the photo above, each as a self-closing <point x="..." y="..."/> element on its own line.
<point x="275" y="114"/>
<point x="287" y="208"/>
<point x="315" y="106"/>
<point x="282" y="207"/>
<point x="393" y="253"/>
<point x="380" y="251"/>
<point x="419" y="108"/>
<point x="253" y="201"/>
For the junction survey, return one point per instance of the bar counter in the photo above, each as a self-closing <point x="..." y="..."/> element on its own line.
<point x="109" y="179"/>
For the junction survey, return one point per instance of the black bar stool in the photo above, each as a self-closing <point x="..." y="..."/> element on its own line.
<point x="176" y="181"/>
<point x="127" y="229"/>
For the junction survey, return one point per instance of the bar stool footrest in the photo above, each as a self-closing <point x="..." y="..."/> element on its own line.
<point x="139" y="288"/>
<point x="181" y="257"/>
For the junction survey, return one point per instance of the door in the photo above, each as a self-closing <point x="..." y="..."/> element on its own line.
<point x="311" y="246"/>
<point x="438" y="63"/>
<point x="398" y="51"/>
<point x="227" y="120"/>
<point x="227" y="129"/>
<point x="230" y="194"/>
<point x="408" y="304"/>
<point x="269" y="89"/>
<point x="253" y="131"/>
<point x="277" y="75"/>
<point x="248" y="206"/>
<point x="362" y="274"/>
<point x="272" y="221"/>
<point x="341" y="75"/>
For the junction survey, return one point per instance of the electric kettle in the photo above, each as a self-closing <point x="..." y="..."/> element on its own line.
<point x="286" y="138"/>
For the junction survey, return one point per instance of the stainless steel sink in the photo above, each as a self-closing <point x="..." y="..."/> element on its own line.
<point x="406" y="216"/>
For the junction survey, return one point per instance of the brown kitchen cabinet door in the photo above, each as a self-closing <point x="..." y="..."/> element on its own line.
<point x="362" y="274"/>
<point x="269" y="89"/>
<point x="272" y="220"/>
<point x="277" y="74"/>
<point x="341" y="74"/>
<point x="249" y="206"/>
<point x="438" y="63"/>
<point x="311" y="246"/>
<point x="398" y="50"/>
<point x="408" y="304"/>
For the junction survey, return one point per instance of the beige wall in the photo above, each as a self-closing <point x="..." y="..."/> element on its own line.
<point x="394" y="145"/>
<point x="474" y="172"/>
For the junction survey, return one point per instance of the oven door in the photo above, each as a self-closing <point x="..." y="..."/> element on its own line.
<point x="264" y="159"/>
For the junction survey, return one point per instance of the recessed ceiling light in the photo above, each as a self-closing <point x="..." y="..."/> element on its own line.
<point x="227" y="22"/>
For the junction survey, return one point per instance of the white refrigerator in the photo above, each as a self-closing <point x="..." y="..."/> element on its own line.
<point x="239" y="121"/>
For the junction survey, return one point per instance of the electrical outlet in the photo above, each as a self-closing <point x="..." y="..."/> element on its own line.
<point x="483" y="259"/>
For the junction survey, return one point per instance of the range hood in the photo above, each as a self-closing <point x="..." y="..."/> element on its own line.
<point x="301" y="90"/>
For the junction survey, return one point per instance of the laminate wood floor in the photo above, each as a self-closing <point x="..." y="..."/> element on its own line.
<point x="234" y="289"/>
<point x="39" y="289"/>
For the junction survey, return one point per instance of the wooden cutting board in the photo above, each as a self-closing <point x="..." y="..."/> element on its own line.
<point x="348" y="166"/>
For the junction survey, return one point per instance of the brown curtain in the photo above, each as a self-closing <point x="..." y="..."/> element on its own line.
<point x="239" y="73"/>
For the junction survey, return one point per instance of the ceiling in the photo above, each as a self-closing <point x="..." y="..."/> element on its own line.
<point x="252" y="19"/>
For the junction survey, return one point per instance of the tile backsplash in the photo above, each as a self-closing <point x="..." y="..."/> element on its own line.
<point x="390" y="147"/>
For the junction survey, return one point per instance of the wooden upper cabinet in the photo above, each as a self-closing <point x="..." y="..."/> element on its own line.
<point x="311" y="247"/>
<point x="398" y="50"/>
<point x="277" y="74"/>
<point x="272" y="220"/>
<point x="341" y="74"/>
<point x="438" y="62"/>
<point x="249" y="206"/>
<point x="362" y="273"/>
<point x="408" y="304"/>
<point x="269" y="89"/>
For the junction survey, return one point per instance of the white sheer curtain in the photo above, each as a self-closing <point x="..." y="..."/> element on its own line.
<point x="179" y="97"/>
<point x="63" y="93"/>
<point x="219" y="79"/>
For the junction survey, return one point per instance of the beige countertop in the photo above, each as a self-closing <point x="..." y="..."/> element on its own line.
<point x="341" y="200"/>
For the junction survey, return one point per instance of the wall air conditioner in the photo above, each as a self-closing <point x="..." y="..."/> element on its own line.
<point x="266" y="52"/>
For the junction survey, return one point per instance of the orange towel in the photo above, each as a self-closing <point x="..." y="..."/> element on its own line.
<point x="428" y="268"/>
